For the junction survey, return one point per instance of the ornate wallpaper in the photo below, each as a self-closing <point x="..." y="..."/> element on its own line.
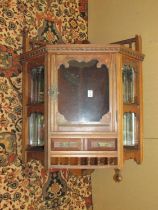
<point x="28" y="185"/>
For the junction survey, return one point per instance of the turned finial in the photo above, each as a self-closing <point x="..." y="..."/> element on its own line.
<point x="25" y="43"/>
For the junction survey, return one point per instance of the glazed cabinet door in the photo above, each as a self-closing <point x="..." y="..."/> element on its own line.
<point x="82" y="107"/>
<point x="82" y="94"/>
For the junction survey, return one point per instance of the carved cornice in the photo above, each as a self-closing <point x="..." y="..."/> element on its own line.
<point x="131" y="53"/>
<point x="82" y="48"/>
<point x="32" y="53"/>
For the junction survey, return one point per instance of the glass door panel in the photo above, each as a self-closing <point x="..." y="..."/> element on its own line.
<point x="83" y="91"/>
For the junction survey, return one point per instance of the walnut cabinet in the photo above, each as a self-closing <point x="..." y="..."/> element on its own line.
<point x="82" y="105"/>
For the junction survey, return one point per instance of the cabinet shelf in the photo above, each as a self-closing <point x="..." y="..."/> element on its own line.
<point x="131" y="148"/>
<point x="38" y="108"/>
<point x="131" y="108"/>
<point x="34" y="148"/>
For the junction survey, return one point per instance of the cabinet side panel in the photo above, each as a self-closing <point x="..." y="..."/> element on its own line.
<point x="119" y="109"/>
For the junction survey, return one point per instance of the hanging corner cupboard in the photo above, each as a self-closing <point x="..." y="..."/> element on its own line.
<point x="82" y="105"/>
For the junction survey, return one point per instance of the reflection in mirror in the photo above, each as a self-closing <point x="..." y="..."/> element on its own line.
<point x="36" y="129"/>
<point x="37" y="85"/>
<point x="83" y="91"/>
<point x="129" y="83"/>
<point x="130" y="129"/>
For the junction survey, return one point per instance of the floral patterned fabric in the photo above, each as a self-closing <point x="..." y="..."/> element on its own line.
<point x="48" y="20"/>
<point x="21" y="186"/>
<point x="29" y="186"/>
<point x="68" y="192"/>
<point x="11" y="112"/>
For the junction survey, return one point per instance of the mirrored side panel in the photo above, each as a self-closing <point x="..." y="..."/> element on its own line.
<point x="36" y="129"/>
<point x="129" y="84"/>
<point x="37" y="85"/>
<point x="130" y="129"/>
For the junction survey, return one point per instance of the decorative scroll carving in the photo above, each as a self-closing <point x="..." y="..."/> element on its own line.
<point x="61" y="119"/>
<point x="106" y="118"/>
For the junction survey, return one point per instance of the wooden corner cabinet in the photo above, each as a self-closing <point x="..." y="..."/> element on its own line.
<point x="82" y="105"/>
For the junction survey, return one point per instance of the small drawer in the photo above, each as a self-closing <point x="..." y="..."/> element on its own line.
<point x="65" y="144"/>
<point x="101" y="144"/>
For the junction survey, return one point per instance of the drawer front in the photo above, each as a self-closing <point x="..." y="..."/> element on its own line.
<point x="101" y="144"/>
<point x="83" y="144"/>
<point x="64" y="144"/>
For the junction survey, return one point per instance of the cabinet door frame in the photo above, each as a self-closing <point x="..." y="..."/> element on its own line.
<point x="108" y="122"/>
